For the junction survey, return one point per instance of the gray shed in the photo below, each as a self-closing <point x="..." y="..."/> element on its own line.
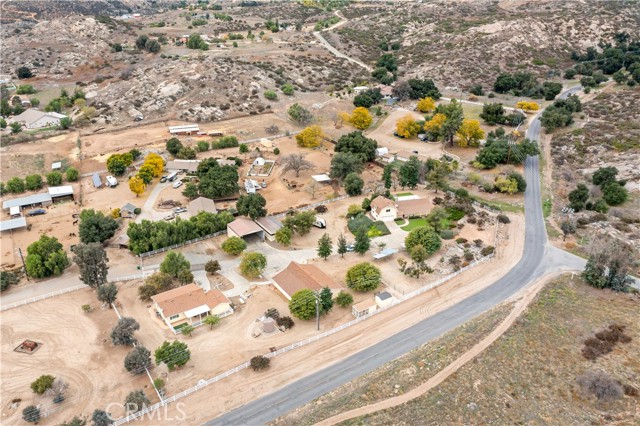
<point x="97" y="182"/>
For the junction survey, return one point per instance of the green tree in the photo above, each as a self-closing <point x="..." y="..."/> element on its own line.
<point x="15" y="127"/>
<point x="386" y="176"/>
<point x="219" y="181"/>
<point x="284" y="235"/>
<point x="3" y="123"/>
<point x="174" y="263"/>
<point x="270" y="95"/>
<point x="136" y="400"/>
<point x="252" y="205"/>
<point x="174" y="354"/>
<point x="299" y="114"/>
<point x="46" y="257"/>
<point x="15" y="185"/>
<point x="42" y="383"/>
<point x="363" y="277"/>
<point x="287" y="89"/>
<point x="7" y="279"/>
<point x="174" y="146"/>
<point x="234" y="245"/>
<point x="300" y="222"/>
<point x="137" y="360"/>
<point x="253" y="264"/>
<point x="65" y="123"/>
<point x="101" y="418"/>
<point x="425" y="236"/>
<point x="211" y="320"/>
<point x="92" y="261"/>
<point x="141" y="41"/>
<point x="353" y="184"/>
<point x="107" y="293"/>
<point x="186" y="153"/>
<point x="344" y="163"/>
<point x="326" y="300"/>
<point x="604" y="175"/>
<point x="33" y="182"/>
<point x="212" y="266"/>
<point x="23" y="72"/>
<point x="187" y="330"/>
<point x="410" y="172"/>
<point x="75" y="421"/>
<point x="357" y="143"/>
<point x="342" y="245"/>
<point x="325" y="247"/>
<point x="122" y="332"/>
<point x="72" y="174"/>
<point x="190" y="191"/>
<point x="419" y="253"/>
<point x="362" y="242"/>
<point x="344" y="299"/>
<point x="117" y="164"/>
<point x="95" y="227"/>
<point x="493" y="114"/>
<point x="614" y="194"/>
<point x="54" y="179"/>
<point x="303" y="304"/>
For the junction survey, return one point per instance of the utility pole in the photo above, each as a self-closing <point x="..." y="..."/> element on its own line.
<point x="23" y="264"/>
<point x="317" y="311"/>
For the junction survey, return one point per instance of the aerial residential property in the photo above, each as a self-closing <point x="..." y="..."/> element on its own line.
<point x="319" y="212"/>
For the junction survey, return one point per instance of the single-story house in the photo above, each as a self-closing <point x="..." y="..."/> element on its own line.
<point x="189" y="166"/>
<point x="243" y="227"/>
<point x="386" y="91"/>
<point x="384" y="299"/>
<point x="323" y="178"/>
<point x="359" y="89"/>
<point x="363" y="308"/>
<point x="297" y="276"/>
<point x="201" y="204"/>
<point x="413" y="208"/>
<point x="382" y="151"/>
<point x="189" y="129"/>
<point x="34" y="119"/>
<point x="270" y="226"/>
<point x="128" y="211"/>
<point x="11" y="224"/>
<point x="383" y="209"/>
<point x="190" y="304"/>
<point x="35" y="200"/>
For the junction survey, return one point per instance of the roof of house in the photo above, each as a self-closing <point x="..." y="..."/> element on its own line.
<point x="243" y="226"/>
<point x="380" y="203"/>
<point x="413" y="207"/>
<point x="128" y="207"/>
<point x="202" y="204"/>
<point x="383" y="295"/>
<point x="269" y="224"/>
<point x="186" y="128"/>
<point x="60" y="191"/>
<point x="364" y="305"/>
<point x="27" y="201"/>
<point x="321" y="178"/>
<point x="187" y="297"/>
<point x="188" y="165"/>
<point x="296" y="277"/>
<point x="7" y="225"/>
<point x="32" y="115"/>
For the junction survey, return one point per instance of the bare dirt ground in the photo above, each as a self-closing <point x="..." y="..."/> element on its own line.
<point x="530" y="373"/>
<point x="248" y="385"/>
<point x="76" y="348"/>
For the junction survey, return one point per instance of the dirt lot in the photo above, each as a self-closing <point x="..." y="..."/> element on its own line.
<point x="539" y="360"/>
<point x="76" y="348"/>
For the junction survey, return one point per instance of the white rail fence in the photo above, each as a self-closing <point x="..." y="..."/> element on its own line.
<point x="42" y="297"/>
<point x="204" y="383"/>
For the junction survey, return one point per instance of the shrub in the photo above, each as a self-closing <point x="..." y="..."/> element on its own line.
<point x="259" y="363"/>
<point x="212" y="266"/>
<point x="225" y="142"/>
<point x="285" y="322"/>
<point x="344" y="299"/>
<point x="363" y="277"/>
<point x="72" y="174"/>
<point x="271" y="95"/>
<point x="461" y="240"/>
<point x="604" y="342"/>
<point x="447" y="234"/>
<point x="234" y="245"/>
<point x="31" y="414"/>
<point x="253" y="264"/>
<point x="42" y="383"/>
<point x="425" y="236"/>
<point x="600" y="384"/>
<point x="503" y="218"/>
<point x="272" y="313"/>
<point x="486" y="251"/>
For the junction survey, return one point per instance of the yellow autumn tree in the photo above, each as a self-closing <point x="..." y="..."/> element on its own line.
<point x="407" y="127"/>
<point x="136" y="185"/>
<point x="343" y="117"/>
<point x="434" y="126"/>
<point x="310" y="137"/>
<point x="470" y="133"/>
<point x="528" y="106"/>
<point x="361" y="118"/>
<point x="426" y="105"/>
<point x="156" y="162"/>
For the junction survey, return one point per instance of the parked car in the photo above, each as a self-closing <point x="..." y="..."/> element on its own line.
<point x="36" y="212"/>
<point x="178" y="184"/>
<point x="351" y="248"/>
<point x="415" y="152"/>
<point x="111" y="181"/>
<point x="170" y="217"/>
<point x="180" y="210"/>
<point x="422" y="137"/>
<point x="398" y="135"/>
<point x="163" y="179"/>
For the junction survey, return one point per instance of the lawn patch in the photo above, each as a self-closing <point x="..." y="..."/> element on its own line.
<point x="414" y="223"/>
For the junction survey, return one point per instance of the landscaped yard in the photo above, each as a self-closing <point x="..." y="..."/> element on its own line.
<point x="404" y="194"/>
<point x="413" y="223"/>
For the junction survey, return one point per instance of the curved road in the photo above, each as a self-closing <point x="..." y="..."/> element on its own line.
<point x="539" y="259"/>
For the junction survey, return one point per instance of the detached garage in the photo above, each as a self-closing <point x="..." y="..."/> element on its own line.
<point x="243" y="227"/>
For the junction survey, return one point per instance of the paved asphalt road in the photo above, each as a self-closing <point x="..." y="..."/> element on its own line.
<point x="538" y="260"/>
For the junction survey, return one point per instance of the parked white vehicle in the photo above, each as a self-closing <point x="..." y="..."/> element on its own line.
<point x="320" y="223"/>
<point x="111" y="181"/>
<point x="178" y="184"/>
